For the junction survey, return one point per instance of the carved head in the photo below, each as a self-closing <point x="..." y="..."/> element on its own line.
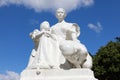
<point x="45" y="26"/>
<point x="60" y="14"/>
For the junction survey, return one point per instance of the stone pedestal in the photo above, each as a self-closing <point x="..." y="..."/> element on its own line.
<point x="58" y="74"/>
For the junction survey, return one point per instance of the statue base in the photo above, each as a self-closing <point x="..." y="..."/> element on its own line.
<point x="57" y="74"/>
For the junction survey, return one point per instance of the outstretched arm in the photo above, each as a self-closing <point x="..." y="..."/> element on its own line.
<point x="33" y="34"/>
<point x="36" y="34"/>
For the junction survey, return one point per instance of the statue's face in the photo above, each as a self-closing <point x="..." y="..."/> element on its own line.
<point x="60" y="14"/>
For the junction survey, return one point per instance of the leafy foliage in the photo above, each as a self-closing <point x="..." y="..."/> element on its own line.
<point x="106" y="62"/>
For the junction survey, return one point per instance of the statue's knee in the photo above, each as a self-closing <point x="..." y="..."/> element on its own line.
<point x="88" y="62"/>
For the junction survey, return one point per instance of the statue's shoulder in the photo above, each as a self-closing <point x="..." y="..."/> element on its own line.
<point x="72" y="24"/>
<point x="53" y="27"/>
<point x="75" y="25"/>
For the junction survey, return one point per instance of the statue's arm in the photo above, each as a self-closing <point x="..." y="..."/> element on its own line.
<point x="36" y="34"/>
<point x="32" y="34"/>
<point x="53" y="36"/>
<point x="39" y="34"/>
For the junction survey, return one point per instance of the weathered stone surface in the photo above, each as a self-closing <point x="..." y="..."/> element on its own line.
<point x="58" y="74"/>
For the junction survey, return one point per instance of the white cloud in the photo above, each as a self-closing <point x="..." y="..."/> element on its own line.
<point x="10" y="75"/>
<point x="40" y="5"/>
<point x="97" y="28"/>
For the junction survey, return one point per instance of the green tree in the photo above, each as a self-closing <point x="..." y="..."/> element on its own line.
<point x="106" y="62"/>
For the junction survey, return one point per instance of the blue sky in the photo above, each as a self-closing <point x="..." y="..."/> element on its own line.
<point x="99" y="22"/>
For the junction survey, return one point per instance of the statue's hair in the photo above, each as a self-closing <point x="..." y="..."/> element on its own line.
<point x="62" y="9"/>
<point x="44" y="25"/>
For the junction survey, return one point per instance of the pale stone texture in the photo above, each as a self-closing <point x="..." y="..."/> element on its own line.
<point x="58" y="74"/>
<point x="58" y="54"/>
<point x="46" y="53"/>
<point x="58" y="44"/>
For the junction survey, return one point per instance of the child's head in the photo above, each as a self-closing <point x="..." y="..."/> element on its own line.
<point x="45" y="26"/>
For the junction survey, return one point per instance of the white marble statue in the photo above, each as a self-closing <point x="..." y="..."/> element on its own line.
<point x="46" y="53"/>
<point x="58" y="46"/>
<point x="72" y="49"/>
<point x="57" y="53"/>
